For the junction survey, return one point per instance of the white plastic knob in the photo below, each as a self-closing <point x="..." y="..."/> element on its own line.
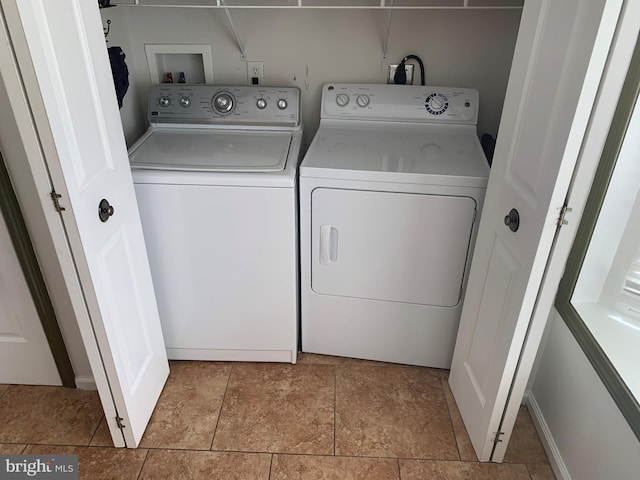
<point x="342" y="99"/>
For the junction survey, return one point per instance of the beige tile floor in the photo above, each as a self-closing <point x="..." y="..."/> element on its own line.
<point x="325" y="418"/>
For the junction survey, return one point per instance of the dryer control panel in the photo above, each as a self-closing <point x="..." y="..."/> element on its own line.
<point x="403" y="103"/>
<point x="224" y="105"/>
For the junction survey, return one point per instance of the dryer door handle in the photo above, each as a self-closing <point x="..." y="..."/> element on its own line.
<point x="328" y="244"/>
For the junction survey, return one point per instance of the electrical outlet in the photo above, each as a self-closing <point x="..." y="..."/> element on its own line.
<point x="255" y="73"/>
<point x="407" y="68"/>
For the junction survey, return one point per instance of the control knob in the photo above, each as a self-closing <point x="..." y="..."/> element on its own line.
<point x="436" y="103"/>
<point x="185" y="102"/>
<point x="164" y="101"/>
<point x="261" y="103"/>
<point x="223" y="103"/>
<point x="363" y="100"/>
<point x="282" y="104"/>
<point x="342" y="99"/>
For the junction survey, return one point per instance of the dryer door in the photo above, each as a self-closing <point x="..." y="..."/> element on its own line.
<point x="400" y="247"/>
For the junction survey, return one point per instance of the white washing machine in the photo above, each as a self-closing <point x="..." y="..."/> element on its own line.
<point x="215" y="178"/>
<point x="391" y="191"/>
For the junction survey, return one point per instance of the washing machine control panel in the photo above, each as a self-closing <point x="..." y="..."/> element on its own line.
<point x="228" y="105"/>
<point x="406" y="103"/>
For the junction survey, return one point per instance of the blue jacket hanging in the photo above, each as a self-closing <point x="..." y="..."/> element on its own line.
<point x="120" y="72"/>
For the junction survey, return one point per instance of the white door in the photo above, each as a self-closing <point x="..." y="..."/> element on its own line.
<point x="559" y="59"/>
<point x="25" y="356"/>
<point x="62" y="56"/>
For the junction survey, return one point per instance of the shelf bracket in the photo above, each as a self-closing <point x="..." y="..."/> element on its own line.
<point x="243" y="54"/>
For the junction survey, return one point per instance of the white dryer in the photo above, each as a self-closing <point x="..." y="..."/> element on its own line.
<point x="391" y="191"/>
<point x="215" y="178"/>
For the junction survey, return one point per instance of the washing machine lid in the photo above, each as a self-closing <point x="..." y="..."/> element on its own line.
<point x="431" y="154"/>
<point x="202" y="150"/>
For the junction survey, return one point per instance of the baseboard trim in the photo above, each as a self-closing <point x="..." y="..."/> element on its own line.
<point x="555" y="459"/>
<point x="86" y="383"/>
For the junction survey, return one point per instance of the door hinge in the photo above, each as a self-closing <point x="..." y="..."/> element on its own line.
<point x="497" y="438"/>
<point x="119" y="422"/>
<point x="56" y="201"/>
<point x="561" y="217"/>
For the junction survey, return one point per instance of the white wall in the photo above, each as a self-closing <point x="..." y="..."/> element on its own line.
<point x="582" y="421"/>
<point x="307" y="48"/>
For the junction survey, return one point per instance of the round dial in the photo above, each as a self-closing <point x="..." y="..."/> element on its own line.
<point x="342" y="99"/>
<point x="164" y="101"/>
<point x="261" y="103"/>
<point x="223" y="103"/>
<point x="282" y="104"/>
<point x="185" y="102"/>
<point x="436" y="103"/>
<point x="363" y="100"/>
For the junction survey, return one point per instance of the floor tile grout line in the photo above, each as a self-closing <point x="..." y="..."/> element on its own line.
<point x="142" y="466"/>
<point x="271" y="466"/>
<point x="7" y="389"/>
<point x="251" y="452"/>
<point x="15" y="443"/>
<point x="297" y="454"/>
<point x="370" y="457"/>
<point x="36" y="444"/>
<point x="96" y="430"/>
<point x="453" y="428"/>
<point x="539" y="464"/>
<point x="272" y="454"/>
<point x="335" y="405"/>
<point x="224" y="396"/>
<point x="529" y="472"/>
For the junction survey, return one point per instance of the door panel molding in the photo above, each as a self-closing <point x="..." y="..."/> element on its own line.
<point x="33" y="275"/>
